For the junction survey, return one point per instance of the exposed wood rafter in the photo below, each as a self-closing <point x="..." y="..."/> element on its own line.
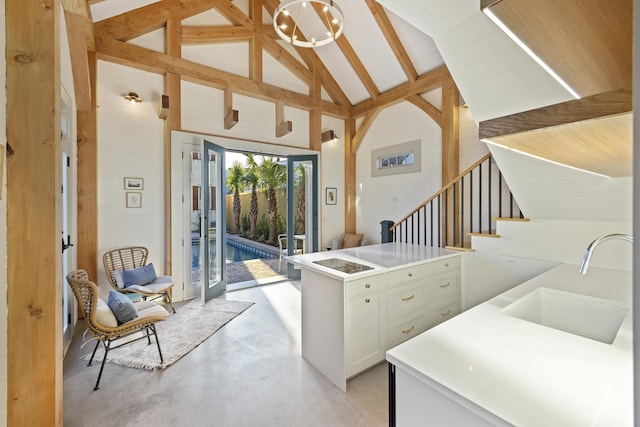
<point x="83" y="24"/>
<point x="255" y="44"/>
<point x="392" y="38"/>
<point x="78" y="51"/>
<point x="424" y="83"/>
<point x="156" y="62"/>
<point x="207" y="34"/>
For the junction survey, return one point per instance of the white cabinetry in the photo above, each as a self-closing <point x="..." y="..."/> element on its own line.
<point x="349" y="324"/>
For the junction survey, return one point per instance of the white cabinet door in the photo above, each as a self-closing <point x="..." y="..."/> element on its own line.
<point x="366" y="337"/>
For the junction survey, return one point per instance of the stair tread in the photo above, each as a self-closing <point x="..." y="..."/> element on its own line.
<point x="506" y="218"/>
<point x="484" y="235"/>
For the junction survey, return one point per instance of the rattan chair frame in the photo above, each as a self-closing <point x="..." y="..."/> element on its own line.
<point x="86" y="292"/>
<point x="128" y="258"/>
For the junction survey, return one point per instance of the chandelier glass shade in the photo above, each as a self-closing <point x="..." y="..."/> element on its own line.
<point x="308" y="23"/>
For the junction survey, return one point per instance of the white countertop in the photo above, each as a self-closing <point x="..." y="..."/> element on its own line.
<point x="529" y="374"/>
<point x="384" y="256"/>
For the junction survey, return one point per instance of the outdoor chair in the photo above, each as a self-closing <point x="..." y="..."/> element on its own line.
<point x="282" y="242"/>
<point x="134" y="259"/>
<point x="103" y="324"/>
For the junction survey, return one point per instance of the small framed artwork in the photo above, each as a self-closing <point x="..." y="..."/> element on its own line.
<point x="331" y="196"/>
<point x="133" y="183"/>
<point x="134" y="199"/>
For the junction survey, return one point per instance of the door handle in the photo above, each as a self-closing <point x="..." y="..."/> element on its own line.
<point x="67" y="245"/>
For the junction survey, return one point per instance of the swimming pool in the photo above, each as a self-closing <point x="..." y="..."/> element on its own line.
<point x="236" y="252"/>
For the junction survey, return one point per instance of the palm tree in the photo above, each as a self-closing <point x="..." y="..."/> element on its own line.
<point x="252" y="179"/>
<point x="235" y="183"/>
<point x="272" y="177"/>
<point x="301" y="202"/>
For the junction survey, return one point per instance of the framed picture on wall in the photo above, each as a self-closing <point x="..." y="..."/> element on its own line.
<point x="331" y="196"/>
<point x="134" y="199"/>
<point x="133" y="183"/>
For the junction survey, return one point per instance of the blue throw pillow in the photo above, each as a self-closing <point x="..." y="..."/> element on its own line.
<point x="122" y="307"/>
<point x="139" y="276"/>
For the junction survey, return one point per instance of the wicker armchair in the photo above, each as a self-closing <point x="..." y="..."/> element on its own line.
<point x="121" y="259"/>
<point x="149" y="314"/>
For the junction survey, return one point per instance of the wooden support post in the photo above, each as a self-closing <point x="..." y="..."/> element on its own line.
<point x="34" y="212"/>
<point x="450" y="149"/>
<point x="173" y="122"/>
<point x="87" y="249"/>
<point x="282" y="127"/>
<point x="349" y="177"/>
<point x="231" y="116"/>
<point x="315" y="114"/>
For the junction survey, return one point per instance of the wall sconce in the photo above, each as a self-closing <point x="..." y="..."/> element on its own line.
<point x="329" y="135"/>
<point x="133" y="98"/>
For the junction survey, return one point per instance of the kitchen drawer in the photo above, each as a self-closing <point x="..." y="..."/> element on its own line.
<point x="444" y="287"/>
<point x="406" y="329"/>
<point x="445" y="265"/>
<point x="406" y="299"/>
<point x="407" y="274"/>
<point x="357" y="287"/>
<point x="442" y="312"/>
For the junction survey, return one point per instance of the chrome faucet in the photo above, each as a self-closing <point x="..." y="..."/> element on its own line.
<point x="592" y="246"/>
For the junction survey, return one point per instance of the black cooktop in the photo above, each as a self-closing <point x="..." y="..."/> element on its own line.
<point x="348" y="267"/>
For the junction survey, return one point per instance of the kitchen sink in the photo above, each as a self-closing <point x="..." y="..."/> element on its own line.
<point x="594" y="318"/>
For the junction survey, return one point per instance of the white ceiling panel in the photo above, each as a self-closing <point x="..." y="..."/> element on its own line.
<point x="421" y="48"/>
<point x="231" y="57"/>
<point x="433" y="16"/>
<point x="153" y="40"/>
<point x="276" y="74"/>
<point x="210" y="17"/>
<point x="341" y="70"/>
<point x="366" y="38"/>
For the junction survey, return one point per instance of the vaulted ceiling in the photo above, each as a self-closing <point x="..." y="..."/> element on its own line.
<point x="379" y="60"/>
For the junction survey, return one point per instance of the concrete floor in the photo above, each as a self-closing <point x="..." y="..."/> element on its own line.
<point x="249" y="373"/>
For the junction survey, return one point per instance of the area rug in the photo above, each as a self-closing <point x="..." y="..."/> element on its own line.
<point x="183" y="331"/>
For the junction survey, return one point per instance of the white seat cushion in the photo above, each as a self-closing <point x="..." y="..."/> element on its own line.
<point x="150" y="308"/>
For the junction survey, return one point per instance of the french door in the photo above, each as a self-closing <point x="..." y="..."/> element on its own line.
<point x="213" y="224"/>
<point x="302" y="206"/>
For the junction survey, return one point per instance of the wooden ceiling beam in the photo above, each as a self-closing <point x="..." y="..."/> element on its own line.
<point x="255" y="44"/>
<point x="145" y="59"/>
<point x="209" y="34"/>
<point x="424" y="83"/>
<point x="137" y="22"/>
<point x="352" y="57"/>
<point x="392" y="38"/>
<point x="590" y="107"/>
<point x="427" y="107"/>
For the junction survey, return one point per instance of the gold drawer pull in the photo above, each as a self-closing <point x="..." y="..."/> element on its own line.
<point x="406" y="331"/>
<point x="446" y="314"/>
<point x="367" y="286"/>
<point x="369" y="300"/>
<point x="446" y="285"/>
<point x="410" y="274"/>
<point x="408" y="298"/>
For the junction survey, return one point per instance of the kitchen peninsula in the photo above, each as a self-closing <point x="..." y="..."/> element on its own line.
<point x="359" y="302"/>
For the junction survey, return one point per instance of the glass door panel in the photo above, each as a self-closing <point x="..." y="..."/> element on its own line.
<point x="213" y="222"/>
<point x="302" y="209"/>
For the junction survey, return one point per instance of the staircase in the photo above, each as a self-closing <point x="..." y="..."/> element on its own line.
<point x="468" y="206"/>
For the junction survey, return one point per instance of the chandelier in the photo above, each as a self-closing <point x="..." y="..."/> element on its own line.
<point x="321" y="20"/>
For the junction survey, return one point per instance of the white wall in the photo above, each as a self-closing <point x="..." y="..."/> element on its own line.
<point x="393" y="197"/>
<point x="130" y="144"/>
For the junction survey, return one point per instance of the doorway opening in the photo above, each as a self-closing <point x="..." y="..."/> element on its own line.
<point x="262" y="208"/>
